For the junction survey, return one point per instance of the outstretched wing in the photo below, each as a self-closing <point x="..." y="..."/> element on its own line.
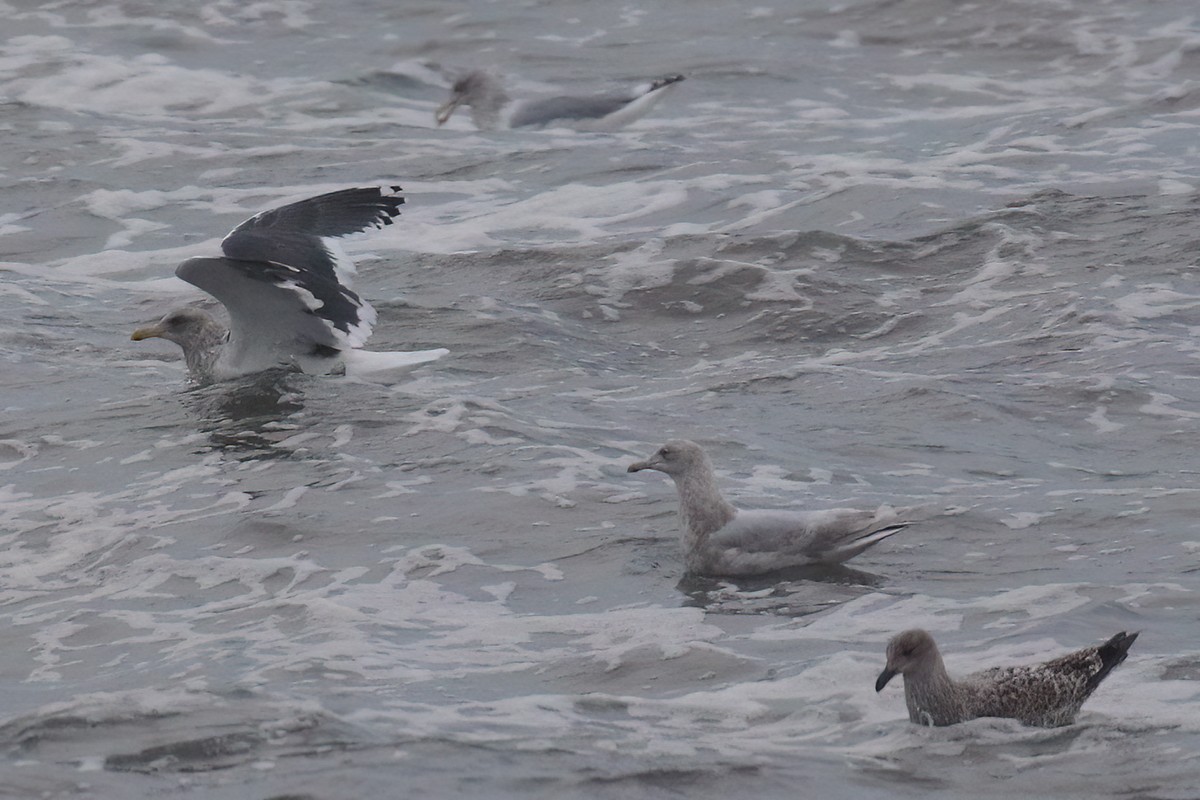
<point x="294" y="234"/>
<point x="279" y="281"/>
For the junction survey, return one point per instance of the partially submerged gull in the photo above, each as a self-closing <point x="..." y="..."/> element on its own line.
<point x="283" y="288"/>
<point x="491" y="108"/>
<point x="1047" y="695"/>
<point x="719" y="539"/>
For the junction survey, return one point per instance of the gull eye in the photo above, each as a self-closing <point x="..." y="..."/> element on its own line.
<point x="665" y="452"/>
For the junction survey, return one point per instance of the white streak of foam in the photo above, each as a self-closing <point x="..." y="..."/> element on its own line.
<point x="342" y="436"/>
<point x="1023" y="519"/>
<point x="637" y="269"/>
<point x="1160" y="405"/>
<point x="1103" y="424"/>
<point x="1170" y="187"/>
<point x="21" y="452"/>
<point x="144" y="86"/>
<point x="1151" y="302"/>
<point x="289" y="500"/>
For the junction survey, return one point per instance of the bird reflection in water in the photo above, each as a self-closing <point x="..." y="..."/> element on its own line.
<point x="249" y="415"/>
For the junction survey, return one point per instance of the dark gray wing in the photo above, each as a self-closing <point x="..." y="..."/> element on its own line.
<point x="543" y="112"/>
<point x="567" y="110"/>
<point x="293" y="234"/>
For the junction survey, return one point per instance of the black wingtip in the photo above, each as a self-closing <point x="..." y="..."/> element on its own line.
<point x="390" y="203"/>
<point x="665" y="81"/>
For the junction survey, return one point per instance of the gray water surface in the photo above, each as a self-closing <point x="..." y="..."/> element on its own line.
<point x="926" y="253"/>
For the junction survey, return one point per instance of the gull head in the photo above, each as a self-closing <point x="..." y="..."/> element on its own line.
<point x="465" y="90"/>
<point x="905" y="652"/>
<point x="482" y="92"/>
<point x="183" y="326"/>
<point x="676" y="457"/>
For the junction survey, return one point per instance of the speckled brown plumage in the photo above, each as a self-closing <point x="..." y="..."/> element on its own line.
<point x="1046" y="695"/>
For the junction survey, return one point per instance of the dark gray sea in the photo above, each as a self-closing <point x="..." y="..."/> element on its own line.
<point x="920" y="252"/>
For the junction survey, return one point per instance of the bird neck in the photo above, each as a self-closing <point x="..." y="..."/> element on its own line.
<point x="487" y="105"/>
<point x="702" y="508"/>
<point x="932" y="696"/>
<point x="200" y="351"/>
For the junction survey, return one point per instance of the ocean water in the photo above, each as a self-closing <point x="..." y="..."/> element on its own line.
<point x="928" y="253"/>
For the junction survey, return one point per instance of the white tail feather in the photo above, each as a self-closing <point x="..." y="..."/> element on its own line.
<point x="375" y="366"/>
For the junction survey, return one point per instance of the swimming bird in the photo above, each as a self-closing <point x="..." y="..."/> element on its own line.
<point x="720" y="539"/>
<point x="491" y="108"/>
<point x="283" y="288"/>
<point x="1047" y="695"/>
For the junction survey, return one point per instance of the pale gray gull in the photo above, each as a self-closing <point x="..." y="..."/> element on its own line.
<point x="283" y="287"/>
<point x="720" y="539"/>
<point x="491" y="107"/>
<point x="1046" y="695"/>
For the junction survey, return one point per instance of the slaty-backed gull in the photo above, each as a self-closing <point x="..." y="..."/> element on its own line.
<point x="283" y="287"/>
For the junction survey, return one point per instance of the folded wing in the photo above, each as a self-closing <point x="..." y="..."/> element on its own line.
<point x="830" y="536"/>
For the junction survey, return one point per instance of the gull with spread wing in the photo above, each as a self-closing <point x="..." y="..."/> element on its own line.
<point x="286" y="294"/>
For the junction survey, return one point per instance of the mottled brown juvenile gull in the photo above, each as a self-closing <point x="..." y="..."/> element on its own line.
<point x="1046" y="695"/>
<point x="491" y="107"/>
<point x="284" y="290"/>
<point x="720" y="539"/>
